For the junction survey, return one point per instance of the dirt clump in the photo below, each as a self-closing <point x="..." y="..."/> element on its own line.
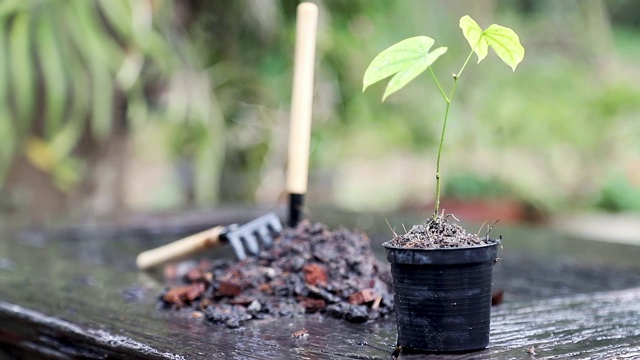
<point x="309" y="270"/>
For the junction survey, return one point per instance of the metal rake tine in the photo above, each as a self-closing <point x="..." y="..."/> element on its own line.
<point x="250" y="237"/>
<point x="251" y="243"/>
<point x="264" y="233"/>
<point x="236" y="243"/>
<point x="271" y="230"/>
<point x="274" y="224"/>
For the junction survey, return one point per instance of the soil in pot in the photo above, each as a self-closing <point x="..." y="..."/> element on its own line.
<point x="439" y="234"/>
<point x="309" y="270"/>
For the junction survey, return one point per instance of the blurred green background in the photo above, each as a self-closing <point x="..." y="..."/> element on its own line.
<point x="156" y="105"/>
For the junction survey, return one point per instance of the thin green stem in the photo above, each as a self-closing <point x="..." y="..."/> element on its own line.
<point x="448" y="100"/>
<point x="464" y="65"/>
<point x="436" y="211"/>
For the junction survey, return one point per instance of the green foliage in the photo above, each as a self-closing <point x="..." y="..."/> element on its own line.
<point x="549" y="131"/>
<point x="504" y="41"/>
<point x="618" y="194"/>
<point x="409" y="58"/>
<point x="85" y="70"/>
<point x="406" y="59"/>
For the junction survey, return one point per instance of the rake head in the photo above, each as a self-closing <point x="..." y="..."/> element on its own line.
<point x="253" y="236"/>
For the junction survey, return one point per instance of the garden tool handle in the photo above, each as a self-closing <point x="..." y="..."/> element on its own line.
<point x="180" y="248"/>
<point x="301" y="106"/>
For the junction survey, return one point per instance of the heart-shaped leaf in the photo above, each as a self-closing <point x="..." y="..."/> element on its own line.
<point x="474" y="35"/>
<point x="504" y="41"/>
<point x="406" y="59"/>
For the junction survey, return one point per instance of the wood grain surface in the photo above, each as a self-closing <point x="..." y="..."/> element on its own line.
<point x="76" y="297"/>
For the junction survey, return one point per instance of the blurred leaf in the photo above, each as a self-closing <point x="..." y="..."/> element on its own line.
<point x="67" y="173"/>
<point x="66" y="170"/>
<point x="406" y="59"/>
<point x="618" y="194"/>
<point x="8" y="143"/>
<point x="55" y="88"/>
<point x="102" y="102"/>
<point x="7" y="128"/>
<point x="39" y="154"/>
<point x="118" y="14"/>
<point x="98" y="50"/>
<point x="78" y="106"/>
<point x="22" y="71"/>
<point x="142" y="20"/>
<point x="94" y="43"/>
<point x="8" y="7"/>
<point x="130" y="70"/>
<point x="66" y="138"/>
<point x="4" y="61"/>
<point x="133" y="22"/>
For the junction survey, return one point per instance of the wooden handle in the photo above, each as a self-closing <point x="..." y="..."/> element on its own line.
<point x="179" y="248"/>
<point x="302" y="98"/>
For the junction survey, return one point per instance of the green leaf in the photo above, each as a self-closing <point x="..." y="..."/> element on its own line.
<point x="102" y="61"/>
<point x="94" y="42"/>
<point x="474" y="35"/>
<point x="7" y="128"/>
<point x="52" y="68"/>
<point x="8" y="143"/>
<point x="117" y="14"/>
<point x="102" y="102"/>
<point x="506" y="43"/>
<point x="68" y="173"/>
<point x="406" y="59"/>
<point x="22" y="71"/>
<point x="9" y="7"/>
<point x="78" y="97"/>
<point x="4" y="61"/>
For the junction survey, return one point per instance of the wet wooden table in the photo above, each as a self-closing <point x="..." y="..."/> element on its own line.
<point x="77" y="295"/>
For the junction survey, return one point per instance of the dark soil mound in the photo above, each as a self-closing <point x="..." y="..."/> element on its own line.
<point x="310" y="269"/>
<point x="439" y="234"/>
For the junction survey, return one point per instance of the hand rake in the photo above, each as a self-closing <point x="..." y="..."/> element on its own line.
<point x="244" y="239"/>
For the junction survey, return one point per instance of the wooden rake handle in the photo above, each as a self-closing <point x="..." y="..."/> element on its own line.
<point x="301" y="108"/>
<point x="180" y="248"/>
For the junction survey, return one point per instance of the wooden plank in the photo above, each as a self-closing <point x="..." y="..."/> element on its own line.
<point x="598" y="326"/>
<point x="71" y="296"/>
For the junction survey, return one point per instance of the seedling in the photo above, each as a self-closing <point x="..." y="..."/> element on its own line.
<point x="411" y="57"/>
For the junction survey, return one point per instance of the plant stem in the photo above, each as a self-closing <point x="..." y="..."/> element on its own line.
<point x="444" y="127"/>
<point x="446" y="99"/>
<point x="455" y="76"/>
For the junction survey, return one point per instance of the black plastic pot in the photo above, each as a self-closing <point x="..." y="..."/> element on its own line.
<point x="443" y="296"/>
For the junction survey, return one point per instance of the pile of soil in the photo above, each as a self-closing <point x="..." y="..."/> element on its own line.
<point x="309" y="269"/>
<point x="440" y="234"/>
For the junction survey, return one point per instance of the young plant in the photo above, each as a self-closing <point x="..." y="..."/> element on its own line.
<point x="411" y="57"/>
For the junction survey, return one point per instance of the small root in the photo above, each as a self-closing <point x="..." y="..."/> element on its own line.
<point x="453" y="216"/>
<point x="481" y="226"/>
<point x="390" y="228"/>
<point x="490" y="228"/>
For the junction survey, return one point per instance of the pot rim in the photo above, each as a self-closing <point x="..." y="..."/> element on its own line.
<point x="495" y="242"/>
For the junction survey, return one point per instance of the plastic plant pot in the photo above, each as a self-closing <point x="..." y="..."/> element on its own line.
<point x="443" y="296"/>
